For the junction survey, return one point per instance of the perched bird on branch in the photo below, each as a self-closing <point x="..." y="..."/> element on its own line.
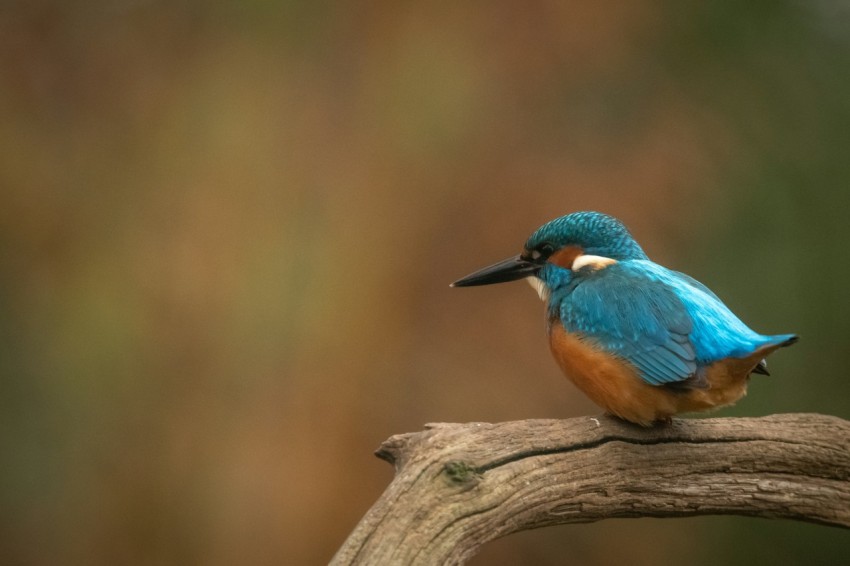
<point x="642" y="341"/>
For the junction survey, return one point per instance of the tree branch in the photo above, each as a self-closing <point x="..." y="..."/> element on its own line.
<point x="458" y="486"/>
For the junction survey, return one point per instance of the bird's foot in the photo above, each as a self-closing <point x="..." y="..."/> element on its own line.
<point x="657" y="423"/>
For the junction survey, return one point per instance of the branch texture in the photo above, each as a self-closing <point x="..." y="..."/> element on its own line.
<point x="458" y="486"/>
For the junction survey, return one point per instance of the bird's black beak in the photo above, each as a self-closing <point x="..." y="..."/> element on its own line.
<point x="510" y="269"/>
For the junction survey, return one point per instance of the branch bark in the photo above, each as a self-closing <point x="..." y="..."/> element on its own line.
<point x="458" y="486"/>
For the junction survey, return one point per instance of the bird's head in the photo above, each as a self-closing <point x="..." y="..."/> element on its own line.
<point x="561" y="248"/>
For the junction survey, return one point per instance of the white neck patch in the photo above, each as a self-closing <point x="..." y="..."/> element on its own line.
<point x="538" y="285"/>
<point x="595" y="262"/>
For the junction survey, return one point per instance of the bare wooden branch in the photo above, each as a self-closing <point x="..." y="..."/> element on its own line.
<point x="458" y="486"/>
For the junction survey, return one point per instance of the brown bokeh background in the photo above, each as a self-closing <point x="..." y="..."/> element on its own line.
<point x="228" y="228"/>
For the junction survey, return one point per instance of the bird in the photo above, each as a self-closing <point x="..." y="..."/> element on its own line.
<point x="642" y="341"/>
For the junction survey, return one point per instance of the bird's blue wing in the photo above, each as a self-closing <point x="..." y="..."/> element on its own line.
<point x="635" y="317"/>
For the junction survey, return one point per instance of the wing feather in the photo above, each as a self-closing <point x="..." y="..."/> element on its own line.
<point x="635" y="317"/>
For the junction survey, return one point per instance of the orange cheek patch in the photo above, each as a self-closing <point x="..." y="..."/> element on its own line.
<point x="565" y="256"/>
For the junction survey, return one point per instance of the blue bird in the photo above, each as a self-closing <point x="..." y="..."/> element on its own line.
<point x="642" y="341"/>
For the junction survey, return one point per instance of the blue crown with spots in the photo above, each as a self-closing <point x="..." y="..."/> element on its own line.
<point x="596" y="233"/>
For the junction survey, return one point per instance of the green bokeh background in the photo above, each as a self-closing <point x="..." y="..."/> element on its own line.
<point x="227" y="230"/>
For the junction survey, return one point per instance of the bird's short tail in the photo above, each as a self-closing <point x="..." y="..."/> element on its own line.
<point x="773" y="343"/>
<point x="782" y="340"/>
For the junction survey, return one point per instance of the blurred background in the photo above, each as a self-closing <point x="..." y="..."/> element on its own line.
<point x="227" y="231"/>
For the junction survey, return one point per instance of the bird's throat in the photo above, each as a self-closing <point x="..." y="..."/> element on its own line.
<point x="540" y="286"/>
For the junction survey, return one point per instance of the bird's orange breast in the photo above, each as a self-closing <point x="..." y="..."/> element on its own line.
<point x="616" y="386"/>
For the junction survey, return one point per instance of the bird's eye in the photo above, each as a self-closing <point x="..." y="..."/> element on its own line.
<point x="542" y="251"/>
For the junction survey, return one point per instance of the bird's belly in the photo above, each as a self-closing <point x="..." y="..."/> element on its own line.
<point x="615" y="385"/>
<point x="727" y="383"/>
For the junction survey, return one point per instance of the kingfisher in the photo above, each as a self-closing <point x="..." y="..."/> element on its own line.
<point x="642" y="341"/>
